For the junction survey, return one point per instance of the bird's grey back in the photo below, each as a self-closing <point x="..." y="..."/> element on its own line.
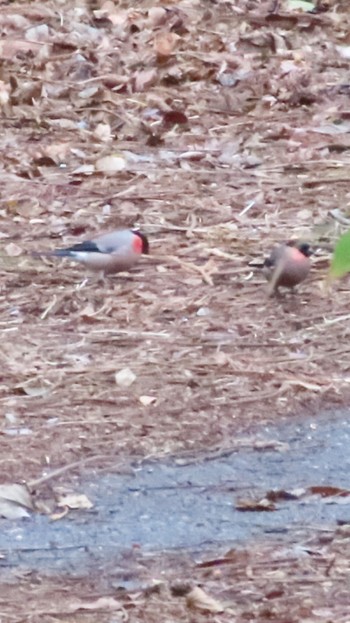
<point x="114" y="240"/>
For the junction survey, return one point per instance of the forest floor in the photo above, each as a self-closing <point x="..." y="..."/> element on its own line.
<point x="220" y="129"/>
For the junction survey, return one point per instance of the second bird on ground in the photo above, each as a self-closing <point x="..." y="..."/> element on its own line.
<point x="287" y="266"/>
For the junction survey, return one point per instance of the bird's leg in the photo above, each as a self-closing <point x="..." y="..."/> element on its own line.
<point x="101" y="277"/>
<point x="82" y="284"/>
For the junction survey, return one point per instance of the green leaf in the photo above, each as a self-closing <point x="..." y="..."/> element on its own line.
<point x="340" y="264"/>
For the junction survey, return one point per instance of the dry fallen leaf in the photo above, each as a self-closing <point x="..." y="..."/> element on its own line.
<point x="13" y="250"/>
<point x="84" y="169"/>
<point x="15" y="499"/>
<point x="102" y="603"/>
<point x="174" y="117"/>
<point x="10" y="47"/>
<point x="103" y="132"/>
<point x="35" y="387"/>
<point x="147" y="400"/>
<point x="328" y="491"/>
<point x="200" y="600"/>
<point x="164" y="43"/>
<point x="5" y="90"/>
<point x="125" y="377"/>
<point x="156" y="16"/>
<point x="57" y="516"/>
<point x="111" y="164"/>
<point x="255" y="505"/>
<point x="144" y="79"/>
<point x="74" y="501"/>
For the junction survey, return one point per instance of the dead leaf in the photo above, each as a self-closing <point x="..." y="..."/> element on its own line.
<point x="89" y="92"/>
<point x="88" y="314"/>
<point x="144" y="79"/>
<point x="147" y="400"/>
<point x="5" y="90"/>
<point x="200" y="600"/>
<point x="125" y="377"/>
<point x="102" y="603"/>
<point x="10" y="47"/>
<point x="157" y="16"/>
<point x="58" y="516"/>
<point x="103" y="132"/>
<point x="344" y="51"/>
<point x="164" y="43"/>
<point x="111" y="164"/>
<point x="84" y="169"/>
<point x="277" y="495"/>
<point x="255" y="505"/>
<point x="10" y="510"/>
<point x="38" y="33"/>
<point x="13" y="250"/>
<point x="174" y="117"/>
<point x="328" y="491"/>
<point x="14" y="21"/>
<point x="15" y="499"/>
<point x="35" y="387"/>
<point x="75" y="501"/>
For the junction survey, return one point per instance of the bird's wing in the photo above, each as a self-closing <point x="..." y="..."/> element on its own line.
<point x="88" y="246"/>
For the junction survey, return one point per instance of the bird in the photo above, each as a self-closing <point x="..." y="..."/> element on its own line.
<point x="287" y="266"/>
<point x="108" y="253"/>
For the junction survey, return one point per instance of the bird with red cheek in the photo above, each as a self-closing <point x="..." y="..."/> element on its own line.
<point x="110" y="253"/>
<point x="287" y="266"/>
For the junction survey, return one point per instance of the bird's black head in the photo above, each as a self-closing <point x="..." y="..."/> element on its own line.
<point x="305" y="249"/>
<point x="144" y="240"/>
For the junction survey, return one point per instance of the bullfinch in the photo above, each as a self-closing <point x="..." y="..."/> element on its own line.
<point x="287" y="266"/>
<point x="114" y="252"/>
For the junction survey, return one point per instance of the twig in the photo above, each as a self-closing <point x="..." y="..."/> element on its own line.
<point x="202" y="270"/>
<point x="339" y="217"/>
<point x="32" y="484"/>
